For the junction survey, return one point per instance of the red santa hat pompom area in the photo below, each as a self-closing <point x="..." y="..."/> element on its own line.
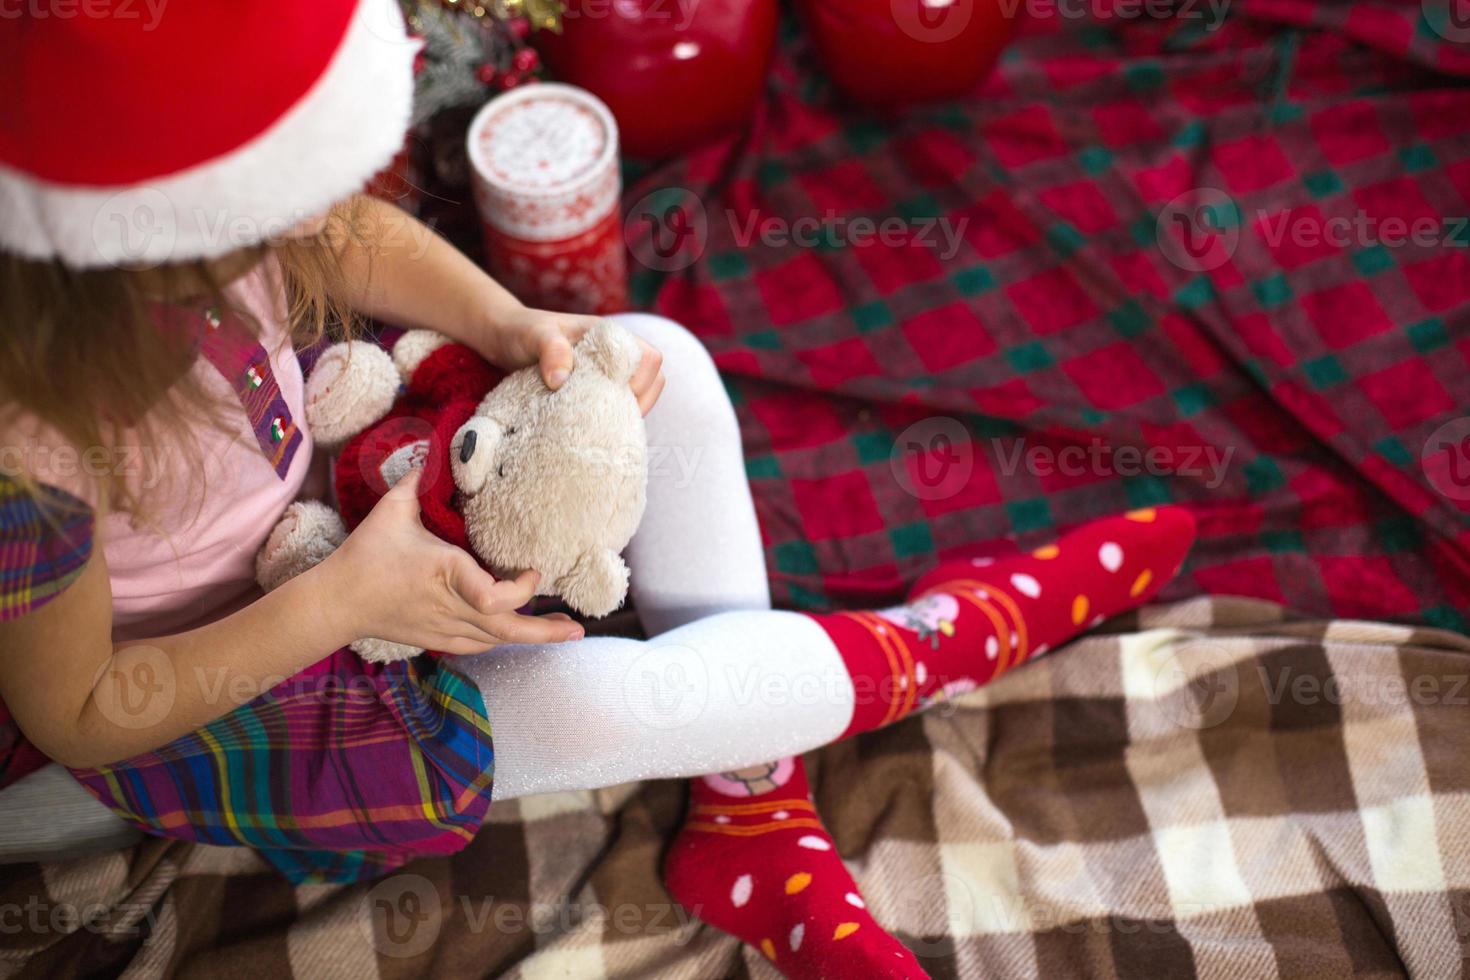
<point x="135" y="137"/>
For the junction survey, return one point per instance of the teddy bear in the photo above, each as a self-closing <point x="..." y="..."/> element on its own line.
<point x="519" y="475"/>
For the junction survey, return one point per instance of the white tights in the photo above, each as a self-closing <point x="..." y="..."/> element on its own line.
<point x="725" y="682"/>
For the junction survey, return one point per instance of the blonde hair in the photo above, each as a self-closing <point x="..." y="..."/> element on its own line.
<point x="81" y="352"/>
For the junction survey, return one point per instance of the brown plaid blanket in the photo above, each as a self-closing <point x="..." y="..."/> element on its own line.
<point x="1212" y="789"/>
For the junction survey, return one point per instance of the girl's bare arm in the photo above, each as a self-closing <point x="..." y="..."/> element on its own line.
<point x="86" y="702"/>
<point x="411" y="276"/>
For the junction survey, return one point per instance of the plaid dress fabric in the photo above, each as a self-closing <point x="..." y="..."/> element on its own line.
<point x="341" y="772"/>
<point x="1037" y="297"/>
<point x="45" y="541"/>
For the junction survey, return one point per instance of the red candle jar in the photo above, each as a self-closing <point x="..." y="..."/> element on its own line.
<point x="544" y="163"/>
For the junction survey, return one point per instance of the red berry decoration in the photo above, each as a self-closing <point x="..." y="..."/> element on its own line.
<point x="510" y="80"/>
<point x="520" y="27"/>
<point x="526" y="60"/>
<point x="486" y="74"/>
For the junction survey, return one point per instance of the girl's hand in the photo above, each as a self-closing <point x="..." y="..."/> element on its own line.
<point x="538" y="337"/>
<point x="394" y="580"/>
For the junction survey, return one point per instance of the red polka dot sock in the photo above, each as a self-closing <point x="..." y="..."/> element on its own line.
<point x="754" y="860"/>
<point x="970" y="620"/>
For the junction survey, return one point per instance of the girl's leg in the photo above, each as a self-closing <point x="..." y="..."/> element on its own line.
<point x="698" y="552"/>
<point x="698" y="699"/>
<point x="723" y="693"/>
<point x="733" y="690"/>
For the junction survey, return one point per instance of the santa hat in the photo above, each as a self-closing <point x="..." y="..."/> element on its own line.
<point x="138" y="134"/>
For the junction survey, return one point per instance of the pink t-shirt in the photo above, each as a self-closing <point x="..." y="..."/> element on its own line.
<point x="209" y="506"/>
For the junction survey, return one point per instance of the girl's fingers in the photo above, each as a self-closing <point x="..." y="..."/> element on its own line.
<point x="464" y="647"/>
<point x="556" y="359"/>
<point x="515" y="628"/>
<point x="476" y="638"/>
<point x="576" y="327"/>
<point x="649" y="367"/>
<point x="649" y="398"/>
<point x="483" y="593"/>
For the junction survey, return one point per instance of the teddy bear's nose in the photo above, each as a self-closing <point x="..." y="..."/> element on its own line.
<point x="467" y="448"/>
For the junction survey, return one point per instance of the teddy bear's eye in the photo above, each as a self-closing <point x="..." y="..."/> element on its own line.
<point x="500" y="470"/>
<point x="510" y="431"/>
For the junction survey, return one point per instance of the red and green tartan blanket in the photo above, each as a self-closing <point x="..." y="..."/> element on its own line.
<point x="1286" y="362"/>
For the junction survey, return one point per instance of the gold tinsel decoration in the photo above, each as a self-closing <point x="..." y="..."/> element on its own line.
<point x="544" y="15"/>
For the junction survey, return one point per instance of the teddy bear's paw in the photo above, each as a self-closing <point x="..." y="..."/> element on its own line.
<point x="612" y="349"/>
<point x="384" y="651"/>
<point x="597" y="583"/>
<point x="413" y="348"/>
<point x="308" y="532"/>
<point x="351" y="387"/>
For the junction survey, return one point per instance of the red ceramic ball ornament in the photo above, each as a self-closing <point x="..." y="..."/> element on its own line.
<point x="886" y="53"/>
<point x="674" y="74"/>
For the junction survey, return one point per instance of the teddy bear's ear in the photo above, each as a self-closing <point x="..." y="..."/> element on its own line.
<point x="611" y="349"/>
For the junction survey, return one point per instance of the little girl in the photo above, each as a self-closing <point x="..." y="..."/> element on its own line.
<point x="178" y="222"/>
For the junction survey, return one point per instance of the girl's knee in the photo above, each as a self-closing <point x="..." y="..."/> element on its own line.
<point x="694" y="400"/>
<point x="682" y="351"/>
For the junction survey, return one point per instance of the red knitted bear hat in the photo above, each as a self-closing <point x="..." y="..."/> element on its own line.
<point x="441" y="396"/>
<point x="137" y="134"/>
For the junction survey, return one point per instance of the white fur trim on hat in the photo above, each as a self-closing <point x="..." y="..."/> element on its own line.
<point x="326" y="147"/>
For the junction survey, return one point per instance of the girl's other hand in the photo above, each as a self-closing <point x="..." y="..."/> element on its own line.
<point x="544" y="338"/>
<point x="394" y="580"/>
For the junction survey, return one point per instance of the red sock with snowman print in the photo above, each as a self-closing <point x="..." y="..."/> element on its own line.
<point x="753" y="856"/>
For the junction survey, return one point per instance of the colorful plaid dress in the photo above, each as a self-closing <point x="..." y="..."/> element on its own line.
<point x="342" y="772"/>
